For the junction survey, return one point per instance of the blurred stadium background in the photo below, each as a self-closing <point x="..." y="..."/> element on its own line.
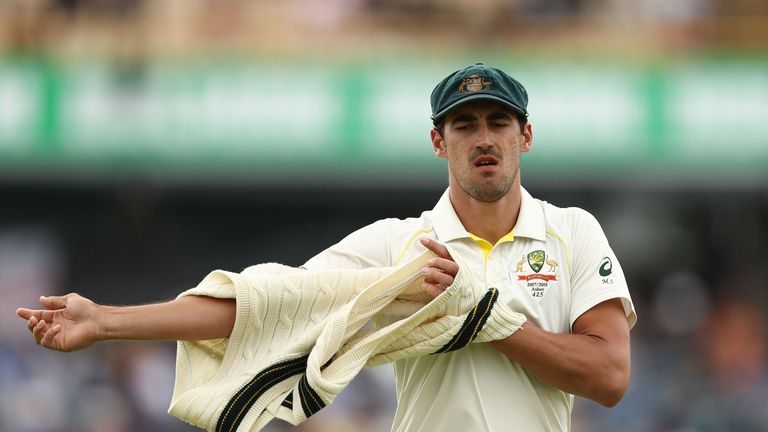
<point x="144" y="143"/>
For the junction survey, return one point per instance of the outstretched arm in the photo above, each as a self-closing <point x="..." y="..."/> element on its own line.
<point x="73" y="322"/>
<point x="592" y="361"/>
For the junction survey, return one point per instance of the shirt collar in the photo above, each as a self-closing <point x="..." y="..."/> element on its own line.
<point x="447" y="224"/>
<point x="530" y="220"/>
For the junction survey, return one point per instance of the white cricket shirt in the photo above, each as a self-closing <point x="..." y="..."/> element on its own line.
<point x="553" y="266"/>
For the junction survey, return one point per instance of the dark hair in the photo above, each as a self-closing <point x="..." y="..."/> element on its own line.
<point x="521" y="120"/>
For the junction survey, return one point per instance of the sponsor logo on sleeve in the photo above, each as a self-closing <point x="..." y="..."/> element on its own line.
<point x="605" y="270"/>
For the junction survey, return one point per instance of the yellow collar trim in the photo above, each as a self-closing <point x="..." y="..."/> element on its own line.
<point x="486" y="246"/>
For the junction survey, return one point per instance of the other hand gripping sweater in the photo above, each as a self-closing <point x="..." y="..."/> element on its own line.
<point x="301" y="336"/>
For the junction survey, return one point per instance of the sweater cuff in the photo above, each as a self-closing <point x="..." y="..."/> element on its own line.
<point x="502" y="322"/>
<point x="218" y="284"/>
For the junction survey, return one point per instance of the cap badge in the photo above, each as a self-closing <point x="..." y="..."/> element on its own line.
<point x="474" y="83"/>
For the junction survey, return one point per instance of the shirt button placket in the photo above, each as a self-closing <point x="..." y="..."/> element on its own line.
<point x="491" y="271"/>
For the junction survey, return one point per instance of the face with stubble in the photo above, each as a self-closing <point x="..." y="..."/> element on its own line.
<point x="482" y="141"/>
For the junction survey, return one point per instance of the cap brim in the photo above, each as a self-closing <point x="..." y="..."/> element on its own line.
<point x="474" y="97"/>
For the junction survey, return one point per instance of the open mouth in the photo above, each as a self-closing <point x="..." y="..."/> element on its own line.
<point x="483" y="161"/>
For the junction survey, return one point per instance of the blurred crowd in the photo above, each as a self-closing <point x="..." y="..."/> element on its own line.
<point x="129" y="29"/>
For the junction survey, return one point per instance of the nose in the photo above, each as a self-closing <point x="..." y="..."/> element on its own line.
<point x="484" y="139"/>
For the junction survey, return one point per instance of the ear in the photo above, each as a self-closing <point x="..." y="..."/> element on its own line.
<point x="527" y="138"/>
<point x="438" y="144"/>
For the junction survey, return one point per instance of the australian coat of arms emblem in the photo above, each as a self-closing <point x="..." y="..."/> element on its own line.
<point x="537" y="282"/>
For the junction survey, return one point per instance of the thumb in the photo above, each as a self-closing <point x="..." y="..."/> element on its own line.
<point x="53" y="302"/>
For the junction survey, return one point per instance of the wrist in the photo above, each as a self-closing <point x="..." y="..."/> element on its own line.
<point x="107" y="323"/>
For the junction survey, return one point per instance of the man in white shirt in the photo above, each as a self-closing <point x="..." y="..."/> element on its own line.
<point x="552" y="264"/>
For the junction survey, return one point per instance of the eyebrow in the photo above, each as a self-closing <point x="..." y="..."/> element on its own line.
<point x="495" y="115"/>
<point x="499" y="115"/>
<point x="464" y="118"/>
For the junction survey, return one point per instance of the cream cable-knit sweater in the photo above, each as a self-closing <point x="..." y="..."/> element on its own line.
<point x="301" y="336"/>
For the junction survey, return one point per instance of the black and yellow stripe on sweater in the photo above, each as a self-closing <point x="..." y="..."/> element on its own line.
<point x="311" y="402"/>
<point x="294" y="348"/>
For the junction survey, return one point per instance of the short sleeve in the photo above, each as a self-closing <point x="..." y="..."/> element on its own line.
<point x="365" y="248"/>
<point x="596" y="275"/>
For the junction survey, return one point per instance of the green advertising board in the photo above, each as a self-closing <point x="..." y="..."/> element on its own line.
<point x="298" y="120"/>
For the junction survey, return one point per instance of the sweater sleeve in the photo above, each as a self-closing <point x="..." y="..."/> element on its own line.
<point x="217" y="284"/>
<point x="280" y="311"/>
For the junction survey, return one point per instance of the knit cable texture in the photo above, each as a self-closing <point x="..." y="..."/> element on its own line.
<point x="301" y="336"/>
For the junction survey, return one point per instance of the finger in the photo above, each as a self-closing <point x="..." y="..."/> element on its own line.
<point x="31" y="323"/>
<point x="37" y="314"/>
<point x="39" y="331"/>
<point x="436" y="247"/>
<point x="446" y="266"/>
<point x="431" y="289"/>
<point x="434" y="276"/>
<point x="53" y="302"/>
<point x="24" y="313"/>
<point x="47" y="340"/>
<point x="28" y="313"/>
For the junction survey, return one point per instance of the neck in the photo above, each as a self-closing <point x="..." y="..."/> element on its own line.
<point x="488" y="220"/>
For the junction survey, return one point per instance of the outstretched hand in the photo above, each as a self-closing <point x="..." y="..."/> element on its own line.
<point x="67" y="323"/>
<point x="440" y="271"/>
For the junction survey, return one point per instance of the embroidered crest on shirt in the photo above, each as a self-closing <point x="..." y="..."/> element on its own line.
<point x="537" y="282"/>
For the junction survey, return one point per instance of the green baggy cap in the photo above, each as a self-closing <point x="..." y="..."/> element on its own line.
<point x="477" y="82"/>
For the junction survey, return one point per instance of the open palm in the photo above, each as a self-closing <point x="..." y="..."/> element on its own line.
<point x="67" y="323"/>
